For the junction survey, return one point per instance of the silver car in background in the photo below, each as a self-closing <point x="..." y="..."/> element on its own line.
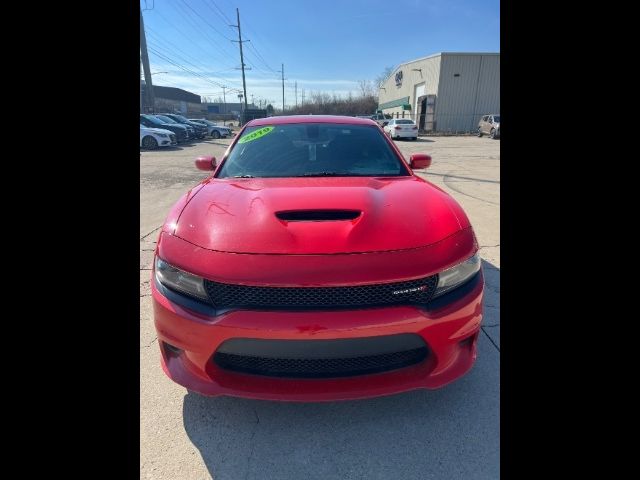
<point x="490" y="125"/>
<point x="216" y="131"/>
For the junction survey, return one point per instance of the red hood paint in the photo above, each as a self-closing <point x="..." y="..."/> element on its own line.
<point x="238" y="215"/>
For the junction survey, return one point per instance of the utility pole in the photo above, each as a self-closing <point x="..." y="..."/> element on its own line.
<point x="224" y="103"/>
<point x="224" y="98"/>
<point x="151" y="100"/>
<point x="240" y="41"/>
<point x="296" y="94"/>
<point x="282" y="88"/>
<point x="252" y="99"/>
<point x="303" y="97"/>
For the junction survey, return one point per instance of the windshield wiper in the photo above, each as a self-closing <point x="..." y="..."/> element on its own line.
<point x="243" y="176"/>
<point x="327" y="174"/>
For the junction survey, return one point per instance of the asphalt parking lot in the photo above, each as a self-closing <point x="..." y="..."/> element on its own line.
<point x="442" y="434"/>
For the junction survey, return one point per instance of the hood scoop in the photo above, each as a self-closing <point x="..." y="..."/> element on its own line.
<point x="317" y="215"/>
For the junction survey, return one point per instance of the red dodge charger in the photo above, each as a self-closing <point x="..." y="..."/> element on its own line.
<point x="313" y="265"/>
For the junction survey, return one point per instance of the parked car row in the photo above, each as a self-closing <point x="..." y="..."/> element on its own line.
<point x="163" y="130"/>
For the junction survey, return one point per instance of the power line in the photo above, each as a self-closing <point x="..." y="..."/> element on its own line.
<point x="195" y="26"/>
<point x="201" y="72"/>
<point x="157" y="38"/>
<point x="167" y="51"/>
<point x="261" y="58"/>
<point x="187" y="37"/>
<point x="199" y="75"/>
<point x="261" y="41"/>
<point x="201" y="18"/>
<point x="221" y="14"/>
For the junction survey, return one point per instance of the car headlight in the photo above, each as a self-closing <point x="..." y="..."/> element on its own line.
<point x="162" y="135"/>
<point x="455" y="276"/>
<point x="176" y="279"/>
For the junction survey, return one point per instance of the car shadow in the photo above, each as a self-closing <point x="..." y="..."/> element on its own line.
<point x="452" y="432"/>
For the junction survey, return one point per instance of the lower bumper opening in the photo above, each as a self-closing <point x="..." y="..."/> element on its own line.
<point x="321" y="358"/>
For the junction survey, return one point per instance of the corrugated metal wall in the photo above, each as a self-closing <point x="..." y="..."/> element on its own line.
<point x="429" y="76"/>
<point x="463" y="98"/>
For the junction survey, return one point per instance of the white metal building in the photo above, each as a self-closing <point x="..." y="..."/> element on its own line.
<point x="445" y="92"/>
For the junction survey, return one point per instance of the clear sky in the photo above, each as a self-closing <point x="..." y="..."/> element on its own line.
<point x="326" y="45"/>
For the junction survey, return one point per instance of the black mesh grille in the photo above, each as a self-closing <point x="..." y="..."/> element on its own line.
<point x="225" y="295"/>
<point x="320" y="367"/>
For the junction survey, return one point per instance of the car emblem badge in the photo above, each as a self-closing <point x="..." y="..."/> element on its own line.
<point x="410" y="290"/>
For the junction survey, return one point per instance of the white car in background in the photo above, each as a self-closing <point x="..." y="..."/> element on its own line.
<point x="152" y="138"/>
<point x="401" y="128"/>
<point x="216" y="131"/>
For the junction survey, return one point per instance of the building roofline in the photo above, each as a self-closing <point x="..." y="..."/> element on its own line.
<point x="439" y="54"/>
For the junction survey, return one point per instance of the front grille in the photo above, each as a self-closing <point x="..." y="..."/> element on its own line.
<point x="342" y="366"/>
<point x="224" y="295"/>
<point x="172" y="138"/>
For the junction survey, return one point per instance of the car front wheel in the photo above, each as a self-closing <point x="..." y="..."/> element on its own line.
<point x="479" y="132"/>
<point x="493" y="133"/>
<point x="215" y="134"/>
<point x="149" y="143"/>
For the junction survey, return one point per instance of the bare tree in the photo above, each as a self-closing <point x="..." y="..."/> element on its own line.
<point x="384" y="75"/>
<point x="366" y="88"/>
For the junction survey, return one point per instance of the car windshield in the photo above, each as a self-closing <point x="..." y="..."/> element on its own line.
<point x="153" y="120"/>
<point x="312" y="150"/>
<point x="165" y="119"/>
<point x="404" y="122"/>
<point x="496" y="118"/>
<point x="180" y="118"/>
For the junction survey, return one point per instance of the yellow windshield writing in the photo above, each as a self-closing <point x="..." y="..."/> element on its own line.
<point x="261" y="132"/>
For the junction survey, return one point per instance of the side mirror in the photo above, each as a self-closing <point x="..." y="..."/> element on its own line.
<point x="206" y="163"/>
<point x="420" y="160"/>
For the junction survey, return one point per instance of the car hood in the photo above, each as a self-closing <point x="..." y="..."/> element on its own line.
<point x="239" y="215"/>
<point x="156" y="130"/>
<point x="169" y="126"/>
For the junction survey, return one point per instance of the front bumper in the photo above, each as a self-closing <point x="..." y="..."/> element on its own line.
<point x="164" y="141"/>
<point x="449" y="326"/>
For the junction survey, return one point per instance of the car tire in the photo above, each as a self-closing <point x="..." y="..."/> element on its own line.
<point x="479" y="132"/>
<point x="149" y="143"/>
<point x="493" y="133"/>
<point x="215" y="134"/>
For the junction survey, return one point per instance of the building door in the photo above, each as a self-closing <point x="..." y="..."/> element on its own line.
<point x="419" y="91"/>
<point x="429" y="109"/>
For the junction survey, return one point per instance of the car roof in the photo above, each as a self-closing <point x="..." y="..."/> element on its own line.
<point x="288" y="119"/>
